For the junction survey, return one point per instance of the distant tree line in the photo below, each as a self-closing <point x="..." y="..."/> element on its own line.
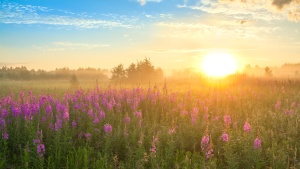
<point x="22" y="73"/>
<point x="142" y="71"/>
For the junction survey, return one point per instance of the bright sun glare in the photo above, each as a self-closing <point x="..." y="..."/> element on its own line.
<point x="218" y="64"/>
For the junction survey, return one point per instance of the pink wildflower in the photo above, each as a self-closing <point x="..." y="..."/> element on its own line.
<point x="257" y="143"/>
<point x="107" y="128"/>
<point x="41" y="149"/>
<point x="5" y="136"/>
<point x="293" y="104"/>
<point x="138" y="114"/>
<point x="247" y="126"/>
<point x="227" y="119"/>
<point x="101" y="115"/>
<point x="184" y="113"/>
<point x="204" y="142"/>
<point x="74" y="124"/>
<point x="153" y="146"/>
<point x="225" y="137"/>
<point x="216" y="118"/>
<point x="172" y="131"/>
<point x="36" y="141"/>
<point x="210" y="153"/>
<point x="88" y="136"/>
<point x="127" y="119"/>
<point x="96" y="120"/>
<point x="277" y="105"/>
<point x="66" y="115"/>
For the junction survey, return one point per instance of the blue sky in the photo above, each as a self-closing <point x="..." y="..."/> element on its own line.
<point x="46" y="34"/>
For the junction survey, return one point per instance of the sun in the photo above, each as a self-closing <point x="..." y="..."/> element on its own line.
<point x="218" y="64"/>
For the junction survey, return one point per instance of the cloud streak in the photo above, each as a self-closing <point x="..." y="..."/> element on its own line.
<point x="267" y="10"/>
<point x="13" y="13"/>
<point x="234" y="29"/>
<point x="144" y="2"/>
<point x="64" y="45"/>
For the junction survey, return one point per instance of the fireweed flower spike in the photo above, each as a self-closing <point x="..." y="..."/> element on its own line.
<point x="257" y="143"/>
<point x="210" y="151"/>
<point x="205" y="140"/>
<point x="247" y="126"/>
<point x="225" y="137"/>
<point x="41" y="149"/>
<point x="5" y="136"/>
<point x="107" y="128"/>
<point x="227" y="119"/>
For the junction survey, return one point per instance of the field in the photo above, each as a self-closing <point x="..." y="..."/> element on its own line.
<point x="214" y="125"/>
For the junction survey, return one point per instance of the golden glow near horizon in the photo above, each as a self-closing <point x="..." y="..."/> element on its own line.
<point x="218" y="64"/>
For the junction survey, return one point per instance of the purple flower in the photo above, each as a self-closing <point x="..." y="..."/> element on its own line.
<point x="36" y="141"/>
<point x="58" y="124"/>
<point x="293" y="104"/>
<point x="4" y="113"/>
<point x="66" y="115"/>
<point x="80" y="135"/>
<point x="90" y="112"/>
<point x="225" y="137"/>
<point x="184" y="113"/>
<point x="2" y="123"/>
<point x="216" y="118"/>
<point x="101" y="115"/>
<point x="247" y="126"/>
<point x="74" y="124"/>
<point x="41" y="149"/>
<point x="22" y="94"/>
<point x="138" y="114"/>
<point x="204" y="142"/>
<point x="127" y="119"/>
<point x="153" y="146"/>
<point x="210" y="153"/>
<point x="257" y="143"/>
<point x="5" y="136"/>
<point x="107" y="128"/>
<point x="88" y="136"/>
<point x="96" y="120"/>
<point x="49" y="109"/>
<point x="227" y="119"/>
<point x="172" y="131"/>
<point x="44" y="119"/>
<point x="277" y="105"/>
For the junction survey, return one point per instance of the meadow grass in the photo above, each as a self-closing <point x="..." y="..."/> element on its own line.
<point x="213" y="125"/>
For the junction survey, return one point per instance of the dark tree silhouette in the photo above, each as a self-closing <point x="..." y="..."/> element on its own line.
<point x="118" y="73"/>
<point x="74" y="81"/>
<point x="268" y="72"/>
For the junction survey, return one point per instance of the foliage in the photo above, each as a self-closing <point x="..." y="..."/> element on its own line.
<point x="268" y="72"/>
<point x="74" y="81"/>
<point x="141" y="72"/>
<point x="147" y="127"/>
<point x="22" y="73"/>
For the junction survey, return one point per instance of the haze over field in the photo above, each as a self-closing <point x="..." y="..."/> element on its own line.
<point x="174" y="34"/>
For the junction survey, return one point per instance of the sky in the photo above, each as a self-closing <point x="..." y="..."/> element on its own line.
<point x="173" y="34"/>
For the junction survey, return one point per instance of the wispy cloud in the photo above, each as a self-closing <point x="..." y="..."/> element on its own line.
<point x="144" y="2"/>
<point x="61" y="46"/>
<point x="13" y="13"/>
<point x="235" y="29"/>
<point x="249" y="9"/>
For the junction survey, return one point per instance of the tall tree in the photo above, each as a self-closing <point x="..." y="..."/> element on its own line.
<point x="268" y="72"/>
<point x="118" y="73"/>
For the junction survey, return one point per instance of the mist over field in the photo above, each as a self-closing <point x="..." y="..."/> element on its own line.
<point x="149" y="84"/>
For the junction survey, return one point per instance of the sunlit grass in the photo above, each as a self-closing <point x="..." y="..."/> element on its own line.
<point x="167" y="125"/>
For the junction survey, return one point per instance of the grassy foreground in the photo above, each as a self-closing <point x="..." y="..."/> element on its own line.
<point x="237" y="126"/>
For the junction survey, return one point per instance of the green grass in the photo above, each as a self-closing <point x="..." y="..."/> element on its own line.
<point x="131" y="145"/>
